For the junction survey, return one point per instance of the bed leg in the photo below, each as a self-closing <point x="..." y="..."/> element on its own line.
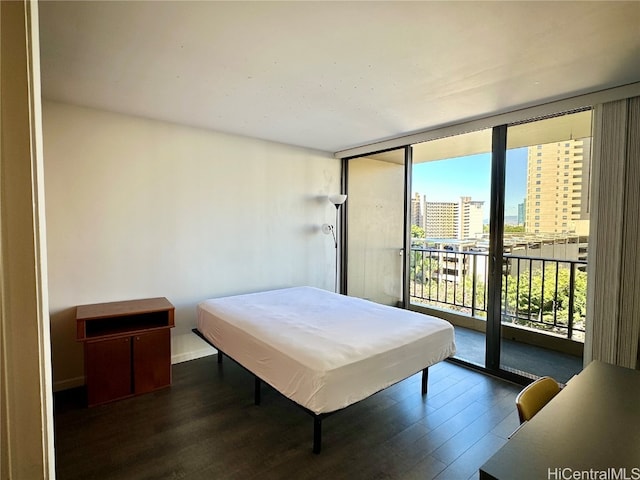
<point x="256" y="394"/>
<point x="317" y="434"/>
<point x="425" y="380"/>
<point x="220" y="356"/>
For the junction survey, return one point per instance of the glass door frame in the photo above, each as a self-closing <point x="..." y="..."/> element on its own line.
<point x="406" y="238"/>
<point x="496" y="248"/>
<point x="406" y="247"/>
<point x="342" y="229"/>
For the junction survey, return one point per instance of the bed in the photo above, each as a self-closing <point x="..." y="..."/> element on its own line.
<point x="323" y="350"/>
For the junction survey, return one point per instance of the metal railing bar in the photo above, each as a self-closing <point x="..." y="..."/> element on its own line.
<point x="555" y="296"/>
<point x="465" y="264"/>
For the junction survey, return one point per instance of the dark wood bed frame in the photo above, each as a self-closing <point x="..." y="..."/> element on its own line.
<point x="317" y="417"/>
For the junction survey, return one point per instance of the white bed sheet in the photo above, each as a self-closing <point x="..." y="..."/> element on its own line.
<point x="323" y="350"/>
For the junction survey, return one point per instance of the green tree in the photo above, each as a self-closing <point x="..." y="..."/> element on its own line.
<point x="417" y="231"/>
<point x="528" y="304"/>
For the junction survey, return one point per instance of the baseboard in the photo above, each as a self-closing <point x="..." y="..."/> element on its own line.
<point x="187" y="346"/>
<point x="68" y="384"/>
<point x="186" y="356"/>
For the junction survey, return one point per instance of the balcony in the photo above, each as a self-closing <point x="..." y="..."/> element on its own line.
<point x="543" y="300"/>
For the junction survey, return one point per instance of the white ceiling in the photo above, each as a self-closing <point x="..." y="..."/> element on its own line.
<point x="332" y="75"/>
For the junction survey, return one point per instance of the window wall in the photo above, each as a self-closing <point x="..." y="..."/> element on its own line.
<point x="497" y="224"/>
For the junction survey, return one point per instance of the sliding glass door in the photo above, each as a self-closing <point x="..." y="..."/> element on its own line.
<point x="545" y="245"/>
<point x="495" y="223"/>
<point x="375" y="227"/>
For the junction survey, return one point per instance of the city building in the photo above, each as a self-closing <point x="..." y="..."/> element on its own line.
<point x="471" y="215"/>
<point x="557" y="187"/>
<point x="441" y="219"/>
<point x="461" y="220"/>
<point x="522" y="208"/>
<point x="417" y="218"/>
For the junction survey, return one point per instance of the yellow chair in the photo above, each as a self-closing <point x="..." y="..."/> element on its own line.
<point x="535" y="396"/>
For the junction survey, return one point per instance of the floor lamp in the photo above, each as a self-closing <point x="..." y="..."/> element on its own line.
<point x="337" y="201"/>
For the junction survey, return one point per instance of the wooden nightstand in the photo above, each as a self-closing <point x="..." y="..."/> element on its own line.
<point x="127" y="347"/>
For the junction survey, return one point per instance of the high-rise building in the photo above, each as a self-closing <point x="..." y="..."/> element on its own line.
<point x="460" y="220"/>
<point x="441" y="219"/>
<point x="557" y="187"/>
<point x="471" y="220"/>
<point x="522" y="208"/>
<point x="416" y="211"/>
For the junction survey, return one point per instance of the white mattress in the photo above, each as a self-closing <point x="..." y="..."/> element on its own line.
<point x="323" y="350"/>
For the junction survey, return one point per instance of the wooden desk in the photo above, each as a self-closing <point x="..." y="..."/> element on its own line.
<point x="592" y="424"/>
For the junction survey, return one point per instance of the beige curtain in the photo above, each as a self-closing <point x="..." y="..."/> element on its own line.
<point x="613" y="309"/>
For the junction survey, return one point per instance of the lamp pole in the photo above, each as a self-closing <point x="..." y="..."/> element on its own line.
<point x="337" y="201"/>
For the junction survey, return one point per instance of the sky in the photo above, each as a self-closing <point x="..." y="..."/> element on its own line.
<point x="448" y="180"/>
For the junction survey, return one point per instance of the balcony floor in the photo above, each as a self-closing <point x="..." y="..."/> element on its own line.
<point x="519" y="356"/>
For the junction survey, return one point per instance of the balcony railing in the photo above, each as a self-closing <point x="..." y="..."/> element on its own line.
<point x="541" y="293"/>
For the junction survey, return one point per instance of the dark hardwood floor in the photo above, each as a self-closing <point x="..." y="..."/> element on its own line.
<point x="206" y="427"/>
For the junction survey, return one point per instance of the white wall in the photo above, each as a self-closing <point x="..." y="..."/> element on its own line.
<point x="138" y="208"/>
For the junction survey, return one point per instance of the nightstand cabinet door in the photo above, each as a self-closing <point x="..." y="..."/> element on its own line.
<point x="151" y="361"/>
<point x="108" y="367"/>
